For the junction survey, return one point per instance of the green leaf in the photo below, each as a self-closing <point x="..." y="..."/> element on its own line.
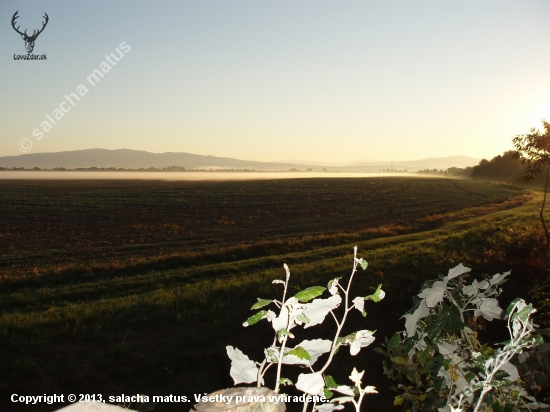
<point x="398" y="400"/>
<point x="285" y="381"/>
<point x="394" y="342"/>
<point x="422" y="356"/>
<point x="433" y="364"/>
<point x="452" y="320"/>
<point x="437" y="326"/>
<point x="261" y="303"/>
<point x="302" y="318"/>
<point x="255" y="318"/>
<point x="329" y="285"/>
<point x="486" y="350"/>
<point x="511" y="305"/>
<point x="330" y="383"/>
<point x="409" y="344"/>
<point x="524" y="314"/>
<point x="469" y="376"/>
<point x="439" y="383"/>
<point x="447" y="320"/>
<point x="300" y="353"/>
<point x="328" y="394"/>
<point x="380" y="351"/>
<point x="310" y="293"/>
<point x="364" y="264"/>
<point x="400" y="360"/>
<point x="375" y="297"/>
<point x="282" y="333"/>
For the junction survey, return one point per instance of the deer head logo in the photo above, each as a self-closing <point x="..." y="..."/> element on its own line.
<point x="29" y="40"/>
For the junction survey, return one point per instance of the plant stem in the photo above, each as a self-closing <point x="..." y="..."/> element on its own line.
<point x="260" y="374"/>
<point x="340" y="326"/>
<point x="460" y="311"/>
<point x="280" y="363"/>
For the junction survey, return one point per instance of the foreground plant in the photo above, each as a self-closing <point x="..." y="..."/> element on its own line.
<point x="307" y="309"/>
<point x="448" y="369"/>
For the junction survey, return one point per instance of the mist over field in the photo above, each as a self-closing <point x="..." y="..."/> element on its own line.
<point x="190" y="176"/>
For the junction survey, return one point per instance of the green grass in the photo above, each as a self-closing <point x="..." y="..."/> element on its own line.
<point x="159" y="325"/>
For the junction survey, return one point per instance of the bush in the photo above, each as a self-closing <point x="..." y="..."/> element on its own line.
<point x="439" y="361"/>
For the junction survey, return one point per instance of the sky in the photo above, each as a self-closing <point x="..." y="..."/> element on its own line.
<point x="320" y="81"/>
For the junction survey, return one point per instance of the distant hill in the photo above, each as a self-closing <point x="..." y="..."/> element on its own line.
<point x="136" y="159"/>
<point x="431" y="163"/>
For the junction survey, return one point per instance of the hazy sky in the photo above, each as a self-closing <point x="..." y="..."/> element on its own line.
<point x="327" y="81"/>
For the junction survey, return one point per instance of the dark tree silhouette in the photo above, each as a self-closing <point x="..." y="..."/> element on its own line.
<point x="534" y="149"/>
<point x="502" y="168"/>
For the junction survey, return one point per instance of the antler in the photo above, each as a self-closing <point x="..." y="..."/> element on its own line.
<point x="43" y="26"/>
<point x="15" y="16"/>
<point x="35" y="33"/>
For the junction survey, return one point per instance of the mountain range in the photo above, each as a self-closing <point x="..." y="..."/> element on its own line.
<point x="135" y="159"/>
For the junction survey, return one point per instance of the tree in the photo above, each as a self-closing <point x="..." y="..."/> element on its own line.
<point x="502" y="168"/>
<point x="534" y="149"/>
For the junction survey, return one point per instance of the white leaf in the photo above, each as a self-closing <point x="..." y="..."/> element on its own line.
<point x="344" y="389"/>
<point x="328" y="407"/>
<point x="537" y="405"/>
<point x="278" y="281"/>
<point x="475" y="287"/>
<point x="315" y="348"/>
<point x="356" y="377"/>
<point x="281" y="321"/>
<point x="481" y="285"/>
<point x="498" y="278"/>
<point x="412" y="319"/>
<point x="287" y="316"/>
<point x="359" y="303"/>
<point x="510" y="370"/>
<point x="333" y="286"/>
<point x="312" y="383"/>
<point x="363" y="338"/>
<point x="271" y="315"/>
<point x="522" y="357"/>
<point x="444" y="374"/>
<point x="490" y="310"/>
<point x="446" y="348"/>
<point x="242" y="368"/>
<point x="272" y="354"/>
<point x="516" y="328"/>
<point x="319" y="308"/>
<point x="461" y="383"/>
<point x="342" y="399"/>
<point x="287" y="271"/>
<point x="455" y="272"/>
<point x="369" y="389"/>
<point x="433" y="295"/>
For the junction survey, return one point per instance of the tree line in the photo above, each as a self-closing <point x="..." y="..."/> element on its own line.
<point x="505" y="168"/>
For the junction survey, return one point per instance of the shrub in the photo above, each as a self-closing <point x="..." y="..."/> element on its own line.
<point x="439" y="361"/>
<point x="307" y="309"/>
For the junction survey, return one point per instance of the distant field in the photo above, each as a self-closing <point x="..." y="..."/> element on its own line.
<point x="145" y="320"/>
<point x="50" y="225"/>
